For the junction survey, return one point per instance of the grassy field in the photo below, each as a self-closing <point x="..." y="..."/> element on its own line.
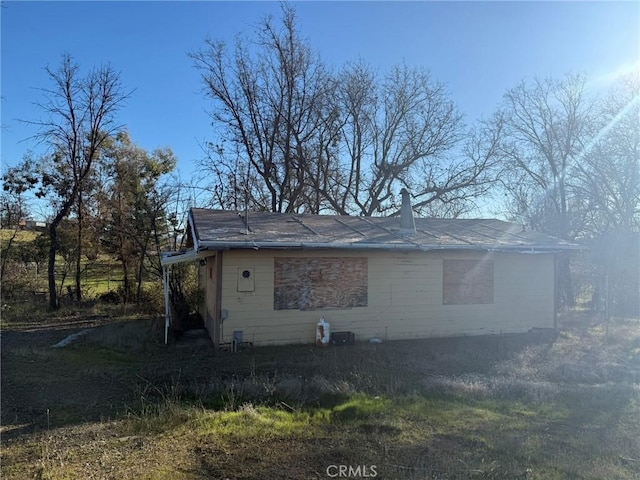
<point x="100" y="275"/>
<point x="119" y="404"/>
<point x="20" y="237"/>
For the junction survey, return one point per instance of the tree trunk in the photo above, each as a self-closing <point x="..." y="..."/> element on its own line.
<point x="140" y="271"/>
<point x="51" y="267"/>
<point x="5" y="256"/>
<point x="125" y="279"/>
<point x="177" y="298"/>
<point x="53" y="249"/>
<point x="79" y="255"/>
<point x="567" y="298"/>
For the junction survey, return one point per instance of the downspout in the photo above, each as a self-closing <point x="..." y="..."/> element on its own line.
<point x="556" y="290"/>
<point x="165" y="283"/>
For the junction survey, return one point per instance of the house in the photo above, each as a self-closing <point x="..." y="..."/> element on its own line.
<point x="36" y="225"/>
<point x="269" y="277"/>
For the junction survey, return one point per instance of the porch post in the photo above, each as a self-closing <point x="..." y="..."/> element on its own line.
<point x="165" y="282"/>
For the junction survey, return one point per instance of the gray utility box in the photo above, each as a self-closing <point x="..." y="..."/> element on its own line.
<point x="343" y="338"/>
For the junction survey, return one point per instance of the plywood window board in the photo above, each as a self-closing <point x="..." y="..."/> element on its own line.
<point x="467" y="282"/>
<point x="320" y="283"/>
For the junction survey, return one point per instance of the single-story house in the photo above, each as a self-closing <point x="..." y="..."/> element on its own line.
<point x="269" y="277"/>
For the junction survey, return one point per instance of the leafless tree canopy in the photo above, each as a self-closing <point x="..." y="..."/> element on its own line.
<point x="573" y="160"/>
<point x="609" y="175"/>
<point x="297" y="137"/>
<point x="547" y="124"/>
<point x="572" y="164"/>
<point x="268" y="105"/>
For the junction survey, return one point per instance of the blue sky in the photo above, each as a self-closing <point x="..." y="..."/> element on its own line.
<point x="478" y="49"/>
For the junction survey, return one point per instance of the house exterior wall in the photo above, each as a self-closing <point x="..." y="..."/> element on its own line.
<point x="405" y="297"/>
<point x="208" y="281"/>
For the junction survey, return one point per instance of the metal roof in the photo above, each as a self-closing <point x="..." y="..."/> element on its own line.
<point x="222" y="229"/>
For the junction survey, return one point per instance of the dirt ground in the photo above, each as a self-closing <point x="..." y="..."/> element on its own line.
<point x="26" y="355"/>
<point x="104" y="374"/>
<point x="121" y="370"/>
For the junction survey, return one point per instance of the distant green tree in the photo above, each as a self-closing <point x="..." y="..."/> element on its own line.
<point x="133" y="205"/>
<point x="13" y="208"/>
<point x="13" y="211"/>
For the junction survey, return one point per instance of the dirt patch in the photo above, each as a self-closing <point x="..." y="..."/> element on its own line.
<point x="44" y="387"/>
<point x="42" y="333"/>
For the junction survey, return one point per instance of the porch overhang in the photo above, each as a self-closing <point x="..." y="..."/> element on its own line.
<point x="167" y="259"/>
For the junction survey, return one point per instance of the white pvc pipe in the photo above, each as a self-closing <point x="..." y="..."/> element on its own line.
<point x="165" y="282"/>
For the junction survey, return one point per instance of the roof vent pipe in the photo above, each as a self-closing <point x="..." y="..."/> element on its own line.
<point x="407" y="222"/>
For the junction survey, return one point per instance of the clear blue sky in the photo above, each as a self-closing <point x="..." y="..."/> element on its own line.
<point x="478" y="49"/>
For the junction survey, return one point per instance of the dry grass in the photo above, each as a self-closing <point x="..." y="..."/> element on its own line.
<point x="118" y="404"/>
<point x="21" y="236"/>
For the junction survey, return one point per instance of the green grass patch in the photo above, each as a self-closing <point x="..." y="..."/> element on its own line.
<point x="256" y="421"/>
<point x="361" y="408"/>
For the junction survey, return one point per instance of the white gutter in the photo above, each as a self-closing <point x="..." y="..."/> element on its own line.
<point x="171" y="258"/>
<point x="384" y="246"/>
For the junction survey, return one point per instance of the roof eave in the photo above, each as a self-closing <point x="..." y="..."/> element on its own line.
<point x="256" y="245"/>
<point x="194" y="231"/>
<point x="172" y="258"/>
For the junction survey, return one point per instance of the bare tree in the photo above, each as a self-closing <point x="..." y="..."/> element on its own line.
<point x="453" y="187"/>
<point x="79" y="115"/>
<point x="267" y="103"/>
<point x="547" y="124"/>
<point x="297" y="138"/>
<point x="236" y="185"/>
<point x="609" y="173"/>
<point x="403" y="130"/>
<point x="608" y="185"/>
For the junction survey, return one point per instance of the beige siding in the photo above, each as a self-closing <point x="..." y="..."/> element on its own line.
<point x="404" y="298"/>
<point x="202" y="285"/>
<point x="208" y="274"/>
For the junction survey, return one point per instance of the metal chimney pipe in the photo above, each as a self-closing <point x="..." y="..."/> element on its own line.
<point x="407" y="222"/>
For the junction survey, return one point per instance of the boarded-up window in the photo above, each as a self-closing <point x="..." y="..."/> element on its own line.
<point x="317" y="283"/>
<point x="467" y="282"/>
